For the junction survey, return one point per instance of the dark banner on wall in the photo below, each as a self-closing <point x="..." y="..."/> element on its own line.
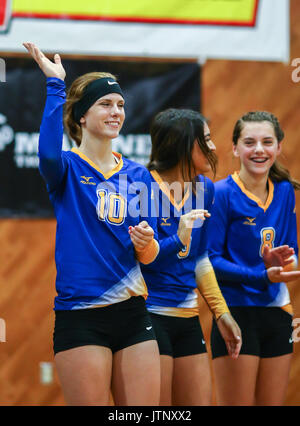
<point x="148" y="87"/>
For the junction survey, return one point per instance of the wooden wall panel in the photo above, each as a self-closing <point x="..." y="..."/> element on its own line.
<point x="27" y="275"/>
<point x="27" y="270"/>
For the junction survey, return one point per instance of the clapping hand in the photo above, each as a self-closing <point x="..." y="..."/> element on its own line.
<point x="279" y="262"/>
<point x="278" y="256"/>
<point x="141" y="235"/>
<point x="187" y="221"/>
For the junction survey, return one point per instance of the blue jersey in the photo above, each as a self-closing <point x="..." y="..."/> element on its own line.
<point x="95" y="258"/>
<point x="171" y="279"/>
<point x="240" y="227"/>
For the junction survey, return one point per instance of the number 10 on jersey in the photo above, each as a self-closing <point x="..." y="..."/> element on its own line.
<point x="111" y="207"/>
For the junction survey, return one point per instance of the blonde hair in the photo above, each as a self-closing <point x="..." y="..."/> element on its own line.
<point x="74" y="94"/>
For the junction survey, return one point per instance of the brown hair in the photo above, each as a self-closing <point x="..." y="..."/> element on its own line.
<point x="278" y="172"/>
<point x="173" y="134"/>
<point x="74" y="94"/>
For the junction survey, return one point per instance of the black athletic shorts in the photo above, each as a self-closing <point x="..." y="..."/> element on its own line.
<point x="178" y="336"/>
<point x="116" y="326"/>
<point x="266" y="332"/>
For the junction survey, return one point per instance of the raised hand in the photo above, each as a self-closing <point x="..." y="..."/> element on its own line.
<point x="49" y="68"/>
<point x="231" y="334"/>
<point x="186" y="224"/>
<point x="141" y="235"/>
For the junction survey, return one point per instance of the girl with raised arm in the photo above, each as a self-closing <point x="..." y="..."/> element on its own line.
<point x="103" y="335"/>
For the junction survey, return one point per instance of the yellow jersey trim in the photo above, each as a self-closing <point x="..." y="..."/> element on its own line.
<point x="235" y="176"/>
<point x="107" y="175"/>
<point x="288" y="308"/>
<point x="211" y="293"/>
<point x="174" y="311"/>
<point x="149" y="253"/>
<point x="164" y="189"/>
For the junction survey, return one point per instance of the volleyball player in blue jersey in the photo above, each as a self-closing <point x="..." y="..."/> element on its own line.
<point x="253" y="249"/>
<point x="182" y="152"/>
<point x="103" y="333"/>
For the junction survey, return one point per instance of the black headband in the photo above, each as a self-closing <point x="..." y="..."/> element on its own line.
<point x="93" y="91"/>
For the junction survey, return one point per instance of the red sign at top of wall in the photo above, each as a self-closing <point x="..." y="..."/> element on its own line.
<point x="5" y="13"/>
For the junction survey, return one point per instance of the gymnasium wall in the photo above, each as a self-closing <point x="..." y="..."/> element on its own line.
<point x="27" y="270"/>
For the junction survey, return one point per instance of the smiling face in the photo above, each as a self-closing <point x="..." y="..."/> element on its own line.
<point x="105" y="118"/>
<point x="200" y="161"/>
<point x="257" y="147"/>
